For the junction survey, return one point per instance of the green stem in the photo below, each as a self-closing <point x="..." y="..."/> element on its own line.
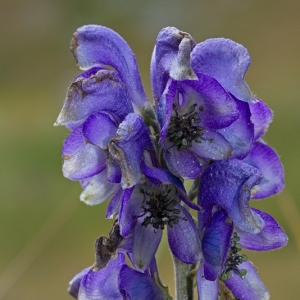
<point x="183" y="284"/>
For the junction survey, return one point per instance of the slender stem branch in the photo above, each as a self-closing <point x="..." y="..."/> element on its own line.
<point x="183" y="284"/>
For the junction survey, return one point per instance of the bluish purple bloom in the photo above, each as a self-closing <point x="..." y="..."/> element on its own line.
<point x="206" y="126"/>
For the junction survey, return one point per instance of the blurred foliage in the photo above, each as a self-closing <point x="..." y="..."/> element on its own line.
<point x="46" y="234"/>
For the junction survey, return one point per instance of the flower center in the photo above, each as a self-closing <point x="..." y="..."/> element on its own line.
<point x="184" y="129"/>
<point x="234" y="259"/>
<point x="160" y="208"/>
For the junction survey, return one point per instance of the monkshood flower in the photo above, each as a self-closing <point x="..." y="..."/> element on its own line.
<point x="227" y="223"/>
<point x="221" y="244"/>
<point x="149" y="207"/>
<point x="111" y="278"/>
<point x="202" y="100"/>
<point x="106" y="138"/>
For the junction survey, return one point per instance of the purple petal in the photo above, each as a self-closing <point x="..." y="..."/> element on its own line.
<point x="103" y="91"/>
<point x="99" y="129"/>
<point x="183" y="163"/>
<point x="212" y="146"/>
<point x="215" y="244"/>
<point x="114" y="204"/>
<point x="250" y="286"/>
<point x="131" y="207"/>
<point x="74" y="284"/>
<point x="267" y="161"/>
<point x="135" y="285"/>
<point x="127" y="148"/>
<point x="102" y="284"/>
<point x="240" y="134"/>
<point x="219" y="109"/>
<point x="81" y="159"/>
<point x="184" y="239"/>
<point x="228" y="184"/>
<point x="271" y="237"/>
<point x="207" y="290"/>
<point x="261" y="116"/>
<point x="94" y="45"/>
<point x="227" y="62"/>
<point x="98" y="190"/>
<point x="145" y="244"/>
<point x="171" y="57"/>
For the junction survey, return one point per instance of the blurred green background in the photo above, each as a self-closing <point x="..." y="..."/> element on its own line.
<point x="46" y="233"/>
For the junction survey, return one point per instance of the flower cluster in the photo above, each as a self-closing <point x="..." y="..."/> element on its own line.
<point x="205" y="126"/>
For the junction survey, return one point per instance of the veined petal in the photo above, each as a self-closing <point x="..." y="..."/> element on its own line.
<point x="264" y="158"/>
<point x="94" y="45"/>
<point x="135" y="285"/>
<point x="184" y="239"/>
<point x="127" y="148"/>
<point x="145" y="244"/>
<point x="102" y="284"/>
<point x="114" y="204"/>
<point x="240" y="134"/>
<point x="250" y="286"/>
<point x="81" y="159"/>
<point x="99" y="129"/>
<point x="228" y="183"/>
<point x="103" y="91"/>
<point x="219" y="109"/>
<point x="183" y="163"/>
<point x="216" y="244"/>
<point x="271" y="236"/>
<point x="227" y="62"/>
<point x="131" y="208"/>
<point x="207" y="290"/>
<point x="171" y="58"/>
<point x="98" y="189"/>
<point x="261" y="116"/>
<point x="212" y="146"/>
<point x="74" y="284"/>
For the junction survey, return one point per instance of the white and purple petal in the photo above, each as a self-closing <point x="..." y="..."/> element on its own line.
<point x="207" y="289"/>
<point x="264" y="158"/>
<point x="271" y="236"/>
<point x="80" y="158"/>
<point x="103" y="91"/>
<point x="213" y="146"/>
<point x="261" y="117"/>
<point x="228" y="183"/>
<point x="248" y="287"/>
<point x="227" y="62"/>
<point x="128" y="146"/>
<point x="98" y="189"/>
<point x="102" y="284"/>
<point x="94" y="45"/>
<point x="216" y="244"/>
<point x="184" y="238"/>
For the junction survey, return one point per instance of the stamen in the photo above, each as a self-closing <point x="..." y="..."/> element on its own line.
<point x="234" y="259"/>
<point x="184" y="129"/>
<point x="160" y="208"/>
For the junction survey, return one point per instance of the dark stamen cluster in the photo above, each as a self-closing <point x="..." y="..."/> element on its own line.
<point x="184" y="129"/>
<point x="234" y="259"/>
<point x="160" y="209"/>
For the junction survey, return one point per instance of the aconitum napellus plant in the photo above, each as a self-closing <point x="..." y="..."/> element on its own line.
<point x="203" y="125"/>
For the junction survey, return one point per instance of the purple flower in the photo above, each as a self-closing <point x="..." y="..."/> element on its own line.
<point x="200" y="96"/>
<point x="149" y="207"/>
<point x="221" y="244"/>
